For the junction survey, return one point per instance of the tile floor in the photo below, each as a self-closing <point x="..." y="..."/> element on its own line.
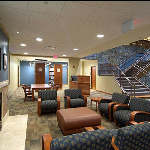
<point x="13" y="134"/>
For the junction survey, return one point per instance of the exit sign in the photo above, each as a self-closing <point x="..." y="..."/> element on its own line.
<point x="55" y="56"/>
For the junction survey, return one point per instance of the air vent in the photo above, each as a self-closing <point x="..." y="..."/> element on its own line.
<point x="41" y="59"/>
<point x="51" y="47"/>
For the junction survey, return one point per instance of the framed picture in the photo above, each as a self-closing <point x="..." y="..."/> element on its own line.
<point x="4" y="61"/>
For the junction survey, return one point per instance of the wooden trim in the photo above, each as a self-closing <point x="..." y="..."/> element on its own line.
<point x="132" y="116"/>
<point x="109" y="109"/>
<point x="100" y="127"/>
<point x="104" y="92"/>
<point x="85" y="100"/>
<point x="39" y="106"/>
<point x="46" y="140"/>
<point x="113" y="144"/>
<point x="68" y="101"/>
<point x="58" y="103"/>
<point x="88" y="128"/>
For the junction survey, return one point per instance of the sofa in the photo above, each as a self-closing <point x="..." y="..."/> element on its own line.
<point x="106" y="105"/>
<point x="138" y="110"/>
<point x="137" y="136"/>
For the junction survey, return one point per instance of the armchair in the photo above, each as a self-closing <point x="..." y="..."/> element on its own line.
<point x="73" y="98"/>
<point x="106" y="105"/>
<point x="48" y="102"/>
<point x="138" y="110"/>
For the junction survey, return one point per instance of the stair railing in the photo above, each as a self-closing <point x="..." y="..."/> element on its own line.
<point x="136" y="62"/>
<point x="122" y="73"/>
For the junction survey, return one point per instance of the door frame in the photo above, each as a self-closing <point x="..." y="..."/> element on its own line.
<point x="91" y="77"/>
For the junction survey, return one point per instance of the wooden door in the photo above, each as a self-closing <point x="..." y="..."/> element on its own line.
<point x="93" y="77"/>
<point x="40" y="73"/>
<point x="58" y="75"/>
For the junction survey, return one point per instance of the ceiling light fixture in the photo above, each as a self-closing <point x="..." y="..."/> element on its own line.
<point x="75" y="49"/>
<point x="39" y="39"/>
<point x="18" y="32"/>
<point x="100" y="35"/>
<point x="64" y="55"/>
<point x="26" y="53"/>
<point x="23" y="44"/>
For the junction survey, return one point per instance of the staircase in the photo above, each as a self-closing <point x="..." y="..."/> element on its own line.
<point x="129" y="72"/>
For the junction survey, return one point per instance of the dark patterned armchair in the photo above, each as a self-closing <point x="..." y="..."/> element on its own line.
<point x="73" y="98"/>
<point x="134" y="137"/>
<point x="138" y="110"/>
<point x="48" y="102"/>
<point x="106" y="105"/>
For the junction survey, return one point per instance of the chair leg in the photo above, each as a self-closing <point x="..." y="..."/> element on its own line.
<point x="39" y="108"/>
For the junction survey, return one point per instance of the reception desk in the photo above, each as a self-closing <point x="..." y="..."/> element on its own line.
<point x="83" y="83"/>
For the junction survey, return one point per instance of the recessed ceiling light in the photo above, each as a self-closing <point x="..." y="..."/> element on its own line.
<point x="64" y="55"/>
<point x="75" y="49"/>
<point x="25" y="53"/>
<point x="100" y="35"/>
<point x="23" y="44"/>
<point x="18" y="32"/>
<point x="38" y="39"/>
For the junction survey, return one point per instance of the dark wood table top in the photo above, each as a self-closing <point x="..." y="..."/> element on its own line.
<point x="40" y="86"/>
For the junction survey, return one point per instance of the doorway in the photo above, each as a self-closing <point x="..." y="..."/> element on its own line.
<point x="93" y="77"/>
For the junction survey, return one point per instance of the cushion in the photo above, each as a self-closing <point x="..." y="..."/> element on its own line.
<point x="73" y="93"/>
<point x="78" y="102"/>
<point x="48" y="106"/>
<point x="122" y="116"/>
<point x="47" y="94"/>
<point x="92" y="140"/>
<point x="103" y="107"/>
<point x="138" y="104"/>
<point x="120" y="98"/>
<point x="133" y="137"/>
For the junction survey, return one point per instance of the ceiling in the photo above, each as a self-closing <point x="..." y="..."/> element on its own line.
<point x="67" y="24"/>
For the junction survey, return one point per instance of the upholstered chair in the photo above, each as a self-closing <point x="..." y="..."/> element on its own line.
<point x="48" y="102"/>
<point x="132" y="137"/>
<point x="106" y="105"/>
<point x="138" y="110"/>
<point x="73" y="98"/>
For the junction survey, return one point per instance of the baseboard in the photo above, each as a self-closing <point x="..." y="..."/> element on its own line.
<point x="104" y="92"/>
<point x="5" y="118"/>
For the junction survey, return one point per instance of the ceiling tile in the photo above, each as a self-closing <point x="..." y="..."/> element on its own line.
<point x="68" y="22"/>
<point x="13" y="14"/>
<point x="42" y="18"/>
<point x="49" y="7"/>
<point x="104" y="16"/>
<point x="77" y="10"/>
<point x="120" y="6"/>
<point x="15" y="4"/>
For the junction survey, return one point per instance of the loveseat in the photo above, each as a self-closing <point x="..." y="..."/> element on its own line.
<point x="138" y="137"/>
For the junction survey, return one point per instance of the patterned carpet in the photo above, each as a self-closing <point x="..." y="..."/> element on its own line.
<point x="47" y="123"/>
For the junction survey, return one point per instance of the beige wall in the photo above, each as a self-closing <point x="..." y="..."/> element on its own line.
<point x="73" y="71"/>
<point x="14" y="63"/>
<point x="103" y="83"/>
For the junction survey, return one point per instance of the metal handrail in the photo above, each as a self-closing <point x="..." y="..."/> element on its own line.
<point x="122" y="73"/>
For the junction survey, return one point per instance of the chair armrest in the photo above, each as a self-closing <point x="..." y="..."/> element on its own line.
<point x="120" y="107"/>
<point x="105" y="100"/>
<point x="131" y="123"/>
<point x="46" y="140"/>
<point x="58" y="103"/>
<point x="39" y="106"/>
<point x="85" y="100"/>
<point x="68" y="101"/>
<point x="99" y="127"/>
<point x="132" y="116"/>
<point x="110" y="109"/>
<point x="88" y="129"/>
<point x="113" y="144"/>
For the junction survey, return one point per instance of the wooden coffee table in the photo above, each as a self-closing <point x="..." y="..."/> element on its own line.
<point x="97" y="100"/>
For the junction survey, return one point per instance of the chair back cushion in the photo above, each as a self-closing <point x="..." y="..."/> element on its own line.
<point x="120" y="98"/>
<point x="133" y="137"/>
<point x="73" y="93"/>
<point x="138" y="104"/>
<point x="47" y="94"/>
<point x="92" y="140"/>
